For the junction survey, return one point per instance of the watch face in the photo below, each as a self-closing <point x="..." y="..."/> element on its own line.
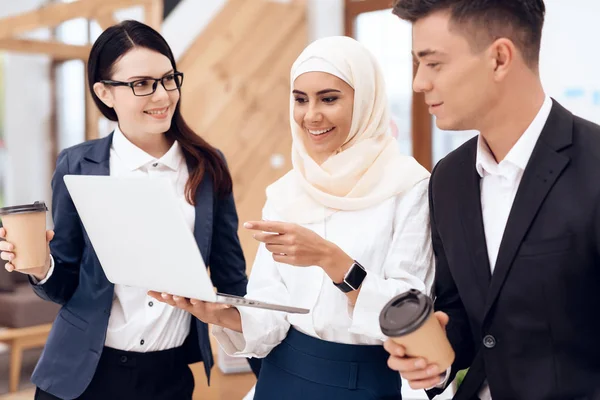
<point x="356" y="276"/>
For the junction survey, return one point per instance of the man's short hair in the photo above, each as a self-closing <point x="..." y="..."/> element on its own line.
<point x="483" y="21"/>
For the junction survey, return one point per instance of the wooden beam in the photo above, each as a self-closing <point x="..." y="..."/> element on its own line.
<point x="353" y="8"/>
<point x="56" y="50"/>
<point x="153" y="14"/>
<point x="106" y="21"/>
<point x="356" y="7"/>
<point x="51" y="15"/>
<point x="10" y="334"/>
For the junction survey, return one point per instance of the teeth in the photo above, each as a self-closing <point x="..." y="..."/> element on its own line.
<point x="157" y="112"/>
<point x="316" y="133"/>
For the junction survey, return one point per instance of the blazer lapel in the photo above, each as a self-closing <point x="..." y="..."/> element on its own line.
<point x="96" y="162"/>
<point x="472" y="224"/>
<point x="542" y="171"/>
<point x="204" y="217"/>
<point x="96" y="159"/>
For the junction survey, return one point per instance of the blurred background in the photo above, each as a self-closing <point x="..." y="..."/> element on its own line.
<point x="236" y="55"/>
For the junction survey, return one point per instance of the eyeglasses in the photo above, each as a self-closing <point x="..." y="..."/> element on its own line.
<point x="146" y="87"/>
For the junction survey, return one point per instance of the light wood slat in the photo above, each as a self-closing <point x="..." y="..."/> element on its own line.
<point x="246" y="168"/>
<point x="250" y="206"/>
<point x="256" y="133"/>
<point x="225" y="32"/>
<point x="58" y="51"/>
<point x="244" y="180"/>
<point x="212" y="86"/>
<point x="263" y="124"/>
<point x="237" y="97"/>
<point x="11" y="334"/>
<point x="52" y="15"/>
<point x="105" y="21"/>
<point x="273" y="73"/>
<point x="214" y="91"/>
<point x="216" y="25"/>
<point x="215" y="105"/>
<point x="153" y="14"/>
<point x="270" y="34"/>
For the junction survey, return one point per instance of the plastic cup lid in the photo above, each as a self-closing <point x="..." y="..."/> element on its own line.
<point x="405" y="313"/>
<point x="38" y="206"/>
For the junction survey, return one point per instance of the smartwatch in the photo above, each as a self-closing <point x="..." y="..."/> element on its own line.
<point x="353" y="278"/>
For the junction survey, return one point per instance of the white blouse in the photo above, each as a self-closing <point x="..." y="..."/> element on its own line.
<point x="390" y="240"/>
<point x="138" y="322"/>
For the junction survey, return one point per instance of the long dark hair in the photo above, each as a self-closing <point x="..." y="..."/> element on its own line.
<point x="200" y="156"/>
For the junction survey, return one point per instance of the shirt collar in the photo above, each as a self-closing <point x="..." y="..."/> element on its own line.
<point x="517" y="158"/>
<point x="135" y="158"/>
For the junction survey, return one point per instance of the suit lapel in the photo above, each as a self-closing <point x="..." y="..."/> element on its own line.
<point x="472" y="223"/>
<point x="544" y="167"/>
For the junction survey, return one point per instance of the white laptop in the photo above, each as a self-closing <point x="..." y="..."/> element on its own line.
<point x="141" y="238"/>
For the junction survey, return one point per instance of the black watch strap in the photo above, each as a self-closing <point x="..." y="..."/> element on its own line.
<point x="353" y="279"/>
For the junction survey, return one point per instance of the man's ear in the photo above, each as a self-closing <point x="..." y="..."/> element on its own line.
<point x="502" y="55"/>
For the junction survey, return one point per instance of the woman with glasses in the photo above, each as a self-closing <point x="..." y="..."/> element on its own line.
<point x="113" y="341"/>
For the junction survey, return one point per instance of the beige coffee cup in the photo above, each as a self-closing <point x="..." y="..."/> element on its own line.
<point x="26" y="229"/>
<point x="408" y="320"/>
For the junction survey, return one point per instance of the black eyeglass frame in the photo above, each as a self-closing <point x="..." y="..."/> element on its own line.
<point x="154" y="85"/>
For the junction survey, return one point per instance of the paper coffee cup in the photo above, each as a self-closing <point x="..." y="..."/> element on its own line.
<point x="26" y="229"/>
<point x="408" y="320"/>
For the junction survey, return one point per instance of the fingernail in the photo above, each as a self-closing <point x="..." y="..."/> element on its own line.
<point x="420" y="363"/>
<point x="164" y="295"/>
<point x="176" y="298"/>
<point x="193" y="301"/>
<point x="247" y="225"/>
<point x="254" y="236"/>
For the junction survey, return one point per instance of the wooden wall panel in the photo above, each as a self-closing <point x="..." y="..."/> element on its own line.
<point x="237" y="94"/>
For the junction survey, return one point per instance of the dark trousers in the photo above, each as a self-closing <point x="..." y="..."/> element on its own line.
<point x="303" y="367"/>
<point x="124" y="375"/>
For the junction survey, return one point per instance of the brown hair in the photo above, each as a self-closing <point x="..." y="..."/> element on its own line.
<point x="200" y="156"/>
<point x="521" y="21"/>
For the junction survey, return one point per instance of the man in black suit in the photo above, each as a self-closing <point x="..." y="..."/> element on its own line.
<point x="515" y="212"/>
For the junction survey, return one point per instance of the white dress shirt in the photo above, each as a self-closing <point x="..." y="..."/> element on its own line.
<point x="391" y="240"/>
<point x="138" y="322"/>
<point x="499" y="184"/>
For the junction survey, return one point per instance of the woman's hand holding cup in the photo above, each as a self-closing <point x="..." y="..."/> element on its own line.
<point x="8" y="254"/>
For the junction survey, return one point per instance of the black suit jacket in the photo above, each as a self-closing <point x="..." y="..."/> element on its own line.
<point x="533" y="328"/>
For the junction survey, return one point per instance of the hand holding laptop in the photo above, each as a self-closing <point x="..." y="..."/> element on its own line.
<point x="211" y="313"/>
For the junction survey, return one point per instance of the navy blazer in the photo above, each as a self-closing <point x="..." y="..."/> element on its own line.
<point x="78" y="283"/>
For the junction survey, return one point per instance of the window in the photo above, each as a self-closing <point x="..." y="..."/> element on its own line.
<point x="389" y="39"/>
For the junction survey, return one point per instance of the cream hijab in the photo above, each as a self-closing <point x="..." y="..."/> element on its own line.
<point x="369" y="167"/>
